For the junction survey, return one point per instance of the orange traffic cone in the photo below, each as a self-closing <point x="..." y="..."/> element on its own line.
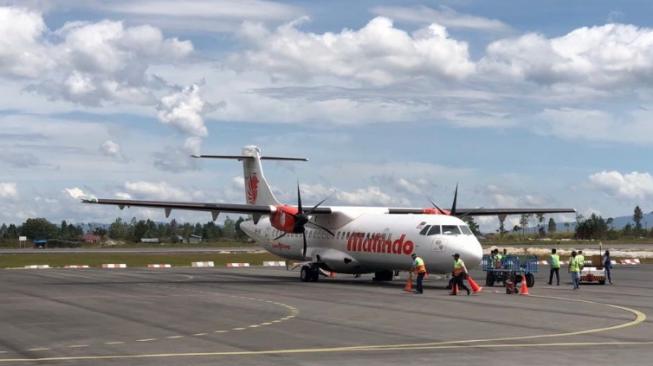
<point x="524" y="287"/>
<point x="454" y="290"/>
<point x="475" y="287"/>
<point x="409" y="283"/>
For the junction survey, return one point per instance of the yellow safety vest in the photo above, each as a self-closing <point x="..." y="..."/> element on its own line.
<point x="419" y="265"/>
<point x="555" y="261"/>
<point x="574" y="266"/>
<point x="458" y="266"/>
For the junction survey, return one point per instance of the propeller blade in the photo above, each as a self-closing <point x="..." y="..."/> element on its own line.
<point x="305" y="245"/>
<point x="455" y="199"/>
<point x="280" y="236"/>
<point x="316" y="206"/>
<point x="321" y="227"/>
<point x="299" y="200"/>
<point x="436" y="206"/>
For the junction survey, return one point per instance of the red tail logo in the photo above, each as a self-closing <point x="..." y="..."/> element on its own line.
<point x="251" y="188"/>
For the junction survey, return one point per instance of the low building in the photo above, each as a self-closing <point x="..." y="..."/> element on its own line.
<point x="150" y="240"/>
<point x="91" y="238"/>
<point x="195" y="239"/>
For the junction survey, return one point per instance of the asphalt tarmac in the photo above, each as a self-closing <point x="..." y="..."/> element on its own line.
<point x="265" y="316"/>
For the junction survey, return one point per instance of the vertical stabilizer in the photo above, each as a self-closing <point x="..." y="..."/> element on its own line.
<point x="257" y="189"/>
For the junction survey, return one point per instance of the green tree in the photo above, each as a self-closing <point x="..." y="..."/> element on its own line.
<point x="229" y="228"/>
<point x="595" y="227"/>
<point x="502" y="228"/>
<point x="552" y="228"/>
<point x="637" y="218"/>
<point x="39" y="228"/>
<point x="523" y="221"/>
<point x="473" y="226"/>
<point x="118" y="230"/>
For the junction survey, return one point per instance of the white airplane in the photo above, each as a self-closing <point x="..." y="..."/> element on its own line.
<point x="344" y="239"/>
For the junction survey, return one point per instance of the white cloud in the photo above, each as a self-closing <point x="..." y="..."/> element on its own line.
<point x="75" y="193"/>
<point x="609" y="55"/>
<point x="8" y="190"/>
<point x="446" y="16"/>
<point x="84" y="62"/>
<point x="183" y="110"/>
<point x="110" y="148"/>
<point x="632" y="185"/>
<point x="215" y="10"/>
<point x="22" y="52"/>
<point x="371" y="195"/>
<point x="378" y="53"/>
<point x="156" y="190"/>
<point x="596" y="125"/>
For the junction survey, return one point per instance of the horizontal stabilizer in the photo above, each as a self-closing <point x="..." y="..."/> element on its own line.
<point x="241" y="157"/>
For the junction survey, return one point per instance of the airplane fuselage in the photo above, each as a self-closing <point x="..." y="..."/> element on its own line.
<point x="374" y="241"/>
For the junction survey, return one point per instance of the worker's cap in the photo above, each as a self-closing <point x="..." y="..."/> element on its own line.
<point x="456" y="255"/>
<point x="413" y="255"/>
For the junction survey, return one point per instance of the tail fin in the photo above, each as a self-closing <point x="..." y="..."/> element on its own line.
<point x="257" y="189"/>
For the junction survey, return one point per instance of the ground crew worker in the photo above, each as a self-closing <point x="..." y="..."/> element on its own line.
<point x="581" y="259"/>
<point x="459" y="273"/>
<point x="420" y="270"/>
<point x="574" y="270"/>
<point x="555" y="267"/>
<point x="498" y="257"/>
<point x="607" y="265"/>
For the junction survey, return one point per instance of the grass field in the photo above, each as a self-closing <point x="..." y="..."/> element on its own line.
<point x="130" y="259"/>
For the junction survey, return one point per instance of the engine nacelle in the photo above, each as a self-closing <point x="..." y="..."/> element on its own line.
<point x="284" y="219"/>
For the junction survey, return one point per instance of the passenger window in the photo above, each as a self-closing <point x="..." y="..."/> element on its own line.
<point x="435" y="230"/>
<point x="425" y="230"/>
<point x="466" y="230"/>
<point x="450" y="230"/>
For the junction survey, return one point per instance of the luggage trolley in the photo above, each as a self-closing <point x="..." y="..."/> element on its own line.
<point x="511" y="268"/>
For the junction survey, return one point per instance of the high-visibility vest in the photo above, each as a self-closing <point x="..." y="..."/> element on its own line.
<point x="555" y="261"/>
<point x="581" y="260"/>
<point x="574" y="265"/>
<point x="458" y="266"/>
<point x="419" y="265"/>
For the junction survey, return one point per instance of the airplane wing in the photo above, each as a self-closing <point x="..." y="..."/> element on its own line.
<point x="214" y="208"/>
<point x="483" y="211"/>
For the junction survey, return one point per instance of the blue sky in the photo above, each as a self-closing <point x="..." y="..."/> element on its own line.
<point x="524" y="104"/>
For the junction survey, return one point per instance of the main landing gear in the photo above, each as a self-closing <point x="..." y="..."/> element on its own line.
<point x="309" y="273"/>
<point x="383" y="276"/>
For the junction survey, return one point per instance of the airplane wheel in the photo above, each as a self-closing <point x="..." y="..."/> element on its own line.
<point x="315" y="274"/>
<point x="530" y="280"/>
<point x="305" y="274"/>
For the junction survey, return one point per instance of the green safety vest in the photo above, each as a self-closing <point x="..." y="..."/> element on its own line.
<point x="581" y="260"/>
<point x="458" y="264"/>
<point x="555" y="261"/>
<point x="574" y="266"/>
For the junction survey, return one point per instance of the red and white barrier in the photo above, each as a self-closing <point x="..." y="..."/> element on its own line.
<point x="236" y="265"/>
<point x="274" y="263"/>
<point x="114" y="265"/>
<point x="37" y="266"/>
<point x="159" y="266"/>
<point x="203" y="264"/>
<point x="76" y="266"/>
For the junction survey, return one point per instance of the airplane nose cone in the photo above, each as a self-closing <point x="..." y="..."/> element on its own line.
<point x="473" y="253"/>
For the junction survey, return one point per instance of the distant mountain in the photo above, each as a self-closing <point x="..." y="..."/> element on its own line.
<point x="621" y="221"/>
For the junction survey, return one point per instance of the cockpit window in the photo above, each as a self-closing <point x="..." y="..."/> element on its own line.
<point x="426" y="229"/>
<point x="466" y="230"/>
<point x="434" y="230"/>
<point x="450" y="230"/>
